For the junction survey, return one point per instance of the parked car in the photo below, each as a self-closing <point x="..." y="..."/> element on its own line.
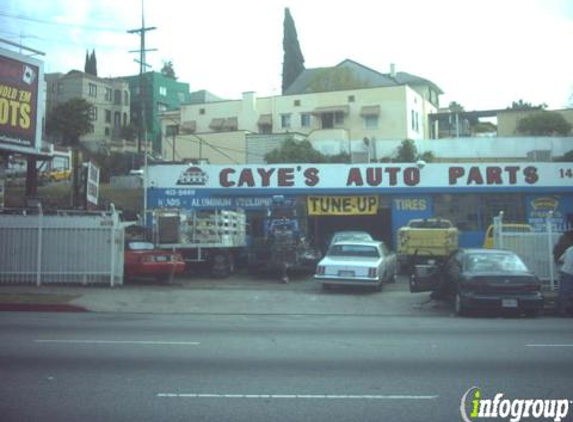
<point x="356" y="263"/>
<point x="349" y="235"/>
<point x="513" y="228"/>
<point x="142" y="259"/>
<point x="489" y="279"/>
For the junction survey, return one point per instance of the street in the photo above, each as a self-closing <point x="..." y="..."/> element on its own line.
<point x="144" y="367"/>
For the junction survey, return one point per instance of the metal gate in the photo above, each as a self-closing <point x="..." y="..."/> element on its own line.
<point x="68" y="247"/>
<point x="534" y="246"/>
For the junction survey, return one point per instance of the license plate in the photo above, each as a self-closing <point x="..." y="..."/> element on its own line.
<point x="160" y="258"/>
<point x="509" y="303"/>
<point x="342" y="273"/>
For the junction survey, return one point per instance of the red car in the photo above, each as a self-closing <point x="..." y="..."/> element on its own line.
<point x="142" y="259"/>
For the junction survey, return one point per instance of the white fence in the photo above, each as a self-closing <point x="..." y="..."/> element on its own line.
<point x="535" y="247"/>
<point x="78" y="248"/>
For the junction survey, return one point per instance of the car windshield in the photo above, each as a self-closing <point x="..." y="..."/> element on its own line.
<point x="354" y="250"/>
<point x="140" y="246"/>
<point x="430" y="224"/>
<point x="351" y="236"/>
<point x="491" y="262"/>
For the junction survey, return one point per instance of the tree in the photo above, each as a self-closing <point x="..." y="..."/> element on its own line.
<point x="167" y="70"/>
<point x="544" y="123"/>
<point x="292" y="151"/>
<point x="408" y="153"/>
<point x="455" y="107"/>
<point x="87" y="65"/>
<point x="521" y="105"/>
<point x="91" y="63"/>
<point x="69" y="121"/>
<point x="293" y="61"/>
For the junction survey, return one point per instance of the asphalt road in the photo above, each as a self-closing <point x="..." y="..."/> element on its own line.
<point x="139" y="367"/>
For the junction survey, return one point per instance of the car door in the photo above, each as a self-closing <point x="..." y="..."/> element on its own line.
<point x="425" y="277"/>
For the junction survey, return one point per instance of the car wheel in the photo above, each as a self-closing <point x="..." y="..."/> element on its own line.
<point x="459" y="307"/>
<point x="378" y="287"/>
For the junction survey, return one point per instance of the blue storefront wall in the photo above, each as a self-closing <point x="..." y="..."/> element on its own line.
<point x="406" y="208"/>
<point x="557" y="207"/>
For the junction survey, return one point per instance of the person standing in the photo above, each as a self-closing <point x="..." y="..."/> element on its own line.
<point x="566" y="282"/>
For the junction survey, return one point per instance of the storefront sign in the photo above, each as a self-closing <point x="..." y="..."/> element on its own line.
<point x="342" y="205"/>
<point x="404" y="177"/>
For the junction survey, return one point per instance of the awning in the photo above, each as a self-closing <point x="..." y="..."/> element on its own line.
<point x="332" y="109"/>
<point x="370" y="110"/>
<point x="217" y="124"/>
<point x="189" y="126"/>
<point x="231" y="123"/>
<point x="265" y="119"/>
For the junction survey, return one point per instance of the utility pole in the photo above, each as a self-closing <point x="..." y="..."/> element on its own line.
<point x="142" y="65"/>
<point x="142" y="123"/>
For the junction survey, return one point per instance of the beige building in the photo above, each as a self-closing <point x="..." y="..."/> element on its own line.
<point x="345" y="108"/>
<point x="110" y="110"/>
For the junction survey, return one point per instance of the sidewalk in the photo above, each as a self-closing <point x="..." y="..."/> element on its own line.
<point x="240" y="294"/>
<point x="236" y="295"/>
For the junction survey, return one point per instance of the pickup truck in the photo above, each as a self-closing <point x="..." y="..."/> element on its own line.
<point x="428" y="240"/>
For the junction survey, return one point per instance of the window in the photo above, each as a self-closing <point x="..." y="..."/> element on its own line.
<point x="161" y="108"/>
<point x="304" y="119"/>
<point x="107" y="131"/>
<point x="415" y="122"/>
<point x="201" y="111"/>
<point x="125" y="98"/>
<point x="108" y="116"/>
<point x="108" y="94"/>
<point x="117" y="119"/>
<point x="351" y="98"/>
<point x="476" y="212"/>
<point x="117" y="97"/>
<point x="92" y="90"/>
<point x="285" y="121"/>
<point x="181" y="97"/>
<point x="266" y="129"/>
<point x="60" y="88"/>
<point x="338" y="117"/>
<point x="162" y="91"/>
<point x="93" y="113"/>
<point x="296" y="103"/>
<point x="371" y="122"/>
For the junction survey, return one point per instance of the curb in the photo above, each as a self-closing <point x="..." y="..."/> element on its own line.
<point x="40" y="307"/>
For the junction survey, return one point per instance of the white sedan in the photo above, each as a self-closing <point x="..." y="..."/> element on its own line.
<point x="356" y="263"/>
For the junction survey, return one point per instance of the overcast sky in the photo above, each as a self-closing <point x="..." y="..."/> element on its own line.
<point x="483" y="54"/>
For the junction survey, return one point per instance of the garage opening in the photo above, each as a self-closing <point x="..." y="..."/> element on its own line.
<point x="324" y="226"/>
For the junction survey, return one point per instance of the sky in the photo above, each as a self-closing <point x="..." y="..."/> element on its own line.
<point x="484" y="54"/>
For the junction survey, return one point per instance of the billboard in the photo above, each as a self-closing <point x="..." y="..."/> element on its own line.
<point x="21" y="102"/>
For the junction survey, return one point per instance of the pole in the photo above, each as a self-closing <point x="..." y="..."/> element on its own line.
<point x="550" y="250"/>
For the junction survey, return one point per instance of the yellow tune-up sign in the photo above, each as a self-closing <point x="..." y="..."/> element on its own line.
<point x="342" y="205"/>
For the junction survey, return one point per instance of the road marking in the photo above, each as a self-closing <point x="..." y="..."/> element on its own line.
<point x="295" y="396"/>
<point x="549" y="345"/>
<point x="134" y="342"/>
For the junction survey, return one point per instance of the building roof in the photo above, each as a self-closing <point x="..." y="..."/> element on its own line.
<point x="349" y="74"/>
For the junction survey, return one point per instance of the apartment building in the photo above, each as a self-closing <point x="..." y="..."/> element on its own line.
<point x="160" y="94"/>
<point x="110" y="110"/>
<point x="345" y="108"/>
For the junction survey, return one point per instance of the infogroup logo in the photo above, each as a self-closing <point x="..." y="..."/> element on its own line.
<point x="473" y="407"/>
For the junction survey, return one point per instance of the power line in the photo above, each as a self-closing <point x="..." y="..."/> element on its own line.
<point x="69" y="25"/>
